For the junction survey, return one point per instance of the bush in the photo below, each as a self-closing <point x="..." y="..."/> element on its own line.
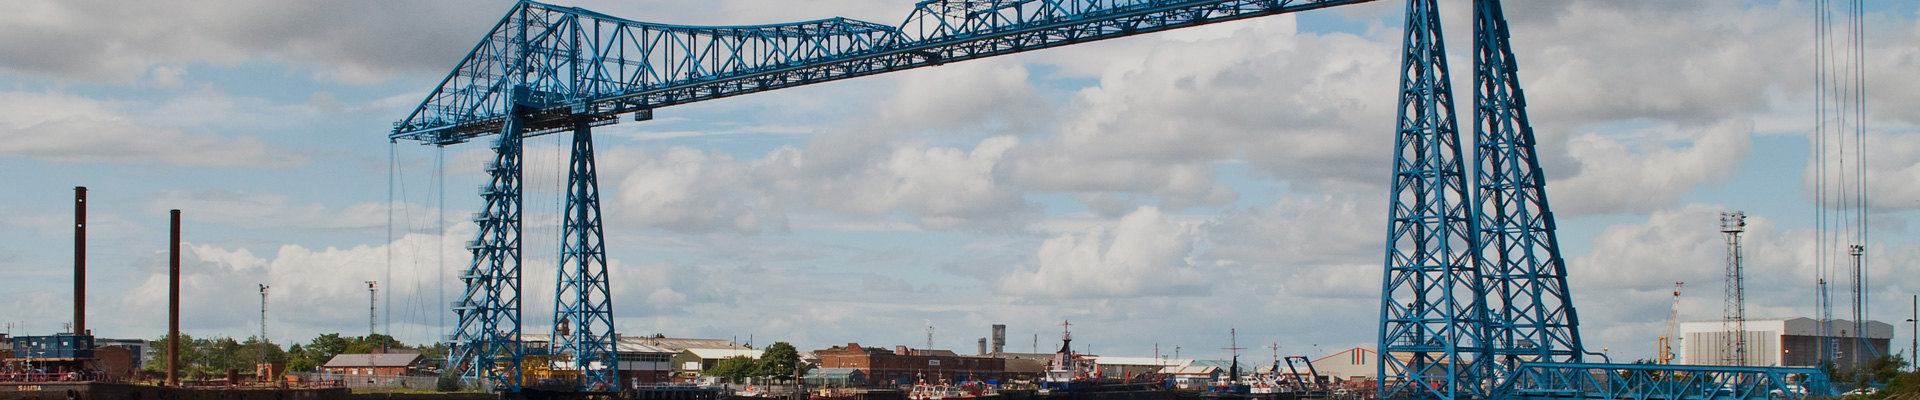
<point x="448" y="382"/>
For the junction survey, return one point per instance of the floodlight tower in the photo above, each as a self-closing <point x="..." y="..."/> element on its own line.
<point x="1734" y="349"/>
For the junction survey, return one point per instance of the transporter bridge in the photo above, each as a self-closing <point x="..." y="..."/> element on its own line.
<point x="1474" y="298"/>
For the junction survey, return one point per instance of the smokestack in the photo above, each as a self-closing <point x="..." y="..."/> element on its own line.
<point x="999" y="338"/>
<point x="983" y="346"/>
<point x="173" y="304"/>
<point x="79" y="260"/>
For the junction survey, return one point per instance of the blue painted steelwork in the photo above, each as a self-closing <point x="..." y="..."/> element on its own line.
<point x="487" y="341"/>
<point x="1532" y="314"/>
<point x="583" y="307"/>
<point x="546" y="68"/>
<point x="1432" y="312"/>
<point x="574" y="61"/>
<point x="1668" y="382"/>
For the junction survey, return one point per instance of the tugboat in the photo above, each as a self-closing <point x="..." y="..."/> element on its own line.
<point x="1075" y="373"/>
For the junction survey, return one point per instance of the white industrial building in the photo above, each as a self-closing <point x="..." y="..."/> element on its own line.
<point x="1783" y="342"/>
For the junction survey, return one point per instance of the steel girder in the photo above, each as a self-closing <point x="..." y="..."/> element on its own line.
<point x="1432" y="315"/>
<point x="578" y="62"/>
<point x="1532" y="314"/>
<point x="487" y="342"/>
<point x="583" y="308"/>
<point x="1663" y="382"/>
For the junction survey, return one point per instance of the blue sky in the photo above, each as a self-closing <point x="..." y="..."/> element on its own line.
<point x="1158" y="189"/>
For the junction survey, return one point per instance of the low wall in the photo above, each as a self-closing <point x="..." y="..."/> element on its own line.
<point x="121" y="391"/>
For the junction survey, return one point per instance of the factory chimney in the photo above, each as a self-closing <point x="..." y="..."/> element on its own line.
<point x="999" y="338"/>
<point x="173" y="304"/>
<point x="80" y="260"/>
<point x="983" y="346"/>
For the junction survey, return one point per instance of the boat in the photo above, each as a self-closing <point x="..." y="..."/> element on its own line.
<point x="969" y="390"/>
<point x="830" y="393"/>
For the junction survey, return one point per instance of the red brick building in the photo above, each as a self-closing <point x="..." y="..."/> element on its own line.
<point x="903" y="366"/>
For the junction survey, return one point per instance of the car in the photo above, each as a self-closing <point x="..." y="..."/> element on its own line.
<point x="1791" y="392"/>
<point x="1860" y="392"/>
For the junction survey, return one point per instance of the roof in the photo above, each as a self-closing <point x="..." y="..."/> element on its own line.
<point x="372" y="360"/>
<point x="725" y="353"/>
<point x="1191" y="370"/>
<point x="832" y="372"/>
<point x="631" y="347"/>
<point x="680" y="344"/>
<point x="1111" y="360"/>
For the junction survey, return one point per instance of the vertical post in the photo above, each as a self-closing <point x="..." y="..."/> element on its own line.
<point x="173" y="303"/>
<point x="79" y="260"/>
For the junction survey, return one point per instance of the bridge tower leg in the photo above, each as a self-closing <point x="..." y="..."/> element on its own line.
<point x="1519" y="254"/>
<point x="583" y="308"/>
<point x="487" y="343"/>
<point x="1432" y="315"/>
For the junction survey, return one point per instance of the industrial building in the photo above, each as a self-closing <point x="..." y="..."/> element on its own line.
<point x="906" y="366"/>
<point x="1783" y="342"/>
<point x="374" y="364"/>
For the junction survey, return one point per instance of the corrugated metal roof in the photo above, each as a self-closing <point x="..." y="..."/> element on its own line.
<point x="1191" y="370"/>
<point x="1110" y="360"/>
<point x="631" y="347"/>
<point x="679" y="344"/>
<point x="725" y="353"/>
<point x="372" y="360"/>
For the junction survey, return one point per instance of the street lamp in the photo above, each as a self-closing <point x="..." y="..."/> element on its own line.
<point x="1913" y="353"/>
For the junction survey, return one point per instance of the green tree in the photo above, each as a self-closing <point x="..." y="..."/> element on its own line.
<point x="732" y="368"/>
<point x="779" y="361"/>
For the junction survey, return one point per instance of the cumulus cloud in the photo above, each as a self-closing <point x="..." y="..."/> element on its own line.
<point x="220" y="293"/>
<point x="1145" y="254"/>
<point x="1892" y="163"/>
<point x="689" y="190"/>
<point x="267" y="210"/>
<point x="1297" y="107"/>
<point x="68" y="128"/>
<point x="1649" y="173"/>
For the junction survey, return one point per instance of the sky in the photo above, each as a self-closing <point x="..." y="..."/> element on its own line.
<point x="1158" y="191"/>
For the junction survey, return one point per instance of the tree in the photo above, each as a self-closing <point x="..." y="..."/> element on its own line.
<point x="779" y="360"/>
<point x="732" y="368"/>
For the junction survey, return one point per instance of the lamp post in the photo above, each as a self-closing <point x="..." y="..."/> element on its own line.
<point x="1914" y="352"/>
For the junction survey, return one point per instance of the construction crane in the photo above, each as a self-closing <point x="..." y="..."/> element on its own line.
<point x="1475" y="286"/>
<point x="1673" y="320"/>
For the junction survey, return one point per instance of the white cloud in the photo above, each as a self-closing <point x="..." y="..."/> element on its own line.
<point x="1297" y="107"/>
<point x="350" y="41"/>
<point x="687" y="190"/>
<point x="1892" y="163"/>
<point x="276" y="211"/>
<point x="67" y="128"/>
<point x="1145" y="254"/>
<point x="1647" y="174"/>
<point x="312" y="290"/>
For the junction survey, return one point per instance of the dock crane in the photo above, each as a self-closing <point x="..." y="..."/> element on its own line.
<point x="1673" y="318"/>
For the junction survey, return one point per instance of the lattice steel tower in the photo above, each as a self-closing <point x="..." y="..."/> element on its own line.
<point x="1532" y="315"/>
<point x="1432" y="309"/>
<point x="1733" y="346"/>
